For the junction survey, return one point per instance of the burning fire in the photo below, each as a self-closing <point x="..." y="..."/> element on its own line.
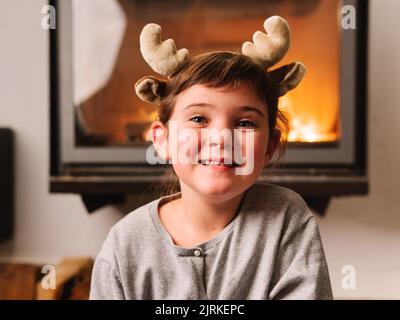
<point x="308" y="132"/>
<point x="304" y="128"/>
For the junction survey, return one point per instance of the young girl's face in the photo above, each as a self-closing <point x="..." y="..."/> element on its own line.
<point x="205" y="116"/>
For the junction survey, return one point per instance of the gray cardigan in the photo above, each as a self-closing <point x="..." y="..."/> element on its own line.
<point x="271" y="250"/>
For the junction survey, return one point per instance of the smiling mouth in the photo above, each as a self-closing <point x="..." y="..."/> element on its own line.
<point x="218" y="163"/>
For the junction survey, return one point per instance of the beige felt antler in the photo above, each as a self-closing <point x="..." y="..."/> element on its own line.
<point x="268" y="49"/>
<point x="162" y="56"/>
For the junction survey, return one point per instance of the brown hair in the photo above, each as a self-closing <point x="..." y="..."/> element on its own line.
<point x="217" y="70"/>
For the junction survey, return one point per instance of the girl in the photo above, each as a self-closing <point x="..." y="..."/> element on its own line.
<point x="222" y="236"/>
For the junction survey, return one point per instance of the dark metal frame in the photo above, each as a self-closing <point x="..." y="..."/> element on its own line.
<point x="7" y="185"/>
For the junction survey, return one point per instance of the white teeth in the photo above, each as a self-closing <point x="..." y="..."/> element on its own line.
<point x="215" y="163"/>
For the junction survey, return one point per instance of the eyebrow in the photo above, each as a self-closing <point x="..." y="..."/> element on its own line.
<point x="243" y="108"/>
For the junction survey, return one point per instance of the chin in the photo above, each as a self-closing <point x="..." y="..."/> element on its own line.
<point x="219" y="189"/>
<point x="216" y="186"/>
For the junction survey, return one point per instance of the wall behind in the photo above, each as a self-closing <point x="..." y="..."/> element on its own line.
<point x="47" y="226"/>
<point x="363" y="232"/>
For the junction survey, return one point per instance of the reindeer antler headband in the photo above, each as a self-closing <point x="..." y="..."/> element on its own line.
<point x="266" y="50"/>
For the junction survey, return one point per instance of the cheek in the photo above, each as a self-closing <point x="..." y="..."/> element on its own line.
<point x="184" y="146"/>
<point x="255" y="145"/>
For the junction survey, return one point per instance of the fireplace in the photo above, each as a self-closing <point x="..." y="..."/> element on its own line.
<point x="98" y="125"/>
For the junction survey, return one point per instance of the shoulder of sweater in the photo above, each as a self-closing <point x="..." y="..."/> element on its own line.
<point x="128" y="232"/>
<point x="281" y="201"/>
<point x="136" y="219"/>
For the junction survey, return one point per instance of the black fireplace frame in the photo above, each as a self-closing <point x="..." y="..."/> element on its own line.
<point x="109" y="179"/>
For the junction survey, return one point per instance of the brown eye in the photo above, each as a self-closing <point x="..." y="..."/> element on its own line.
<point x="246" y="124"/>
<point x="198" y="119"/>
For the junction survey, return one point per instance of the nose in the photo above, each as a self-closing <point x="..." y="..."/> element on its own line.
<point x="219" y="141"/>
<point x="222" y="144"/>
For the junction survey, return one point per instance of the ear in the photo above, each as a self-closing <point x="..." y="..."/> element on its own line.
<point x="288" y="77"/>
<point x="150" y="89"/>
<point x="159" y="137"/>
<point x="272" y="146"/>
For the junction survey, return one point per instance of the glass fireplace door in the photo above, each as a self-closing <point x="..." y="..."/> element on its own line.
<point x="103" y="121"/>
